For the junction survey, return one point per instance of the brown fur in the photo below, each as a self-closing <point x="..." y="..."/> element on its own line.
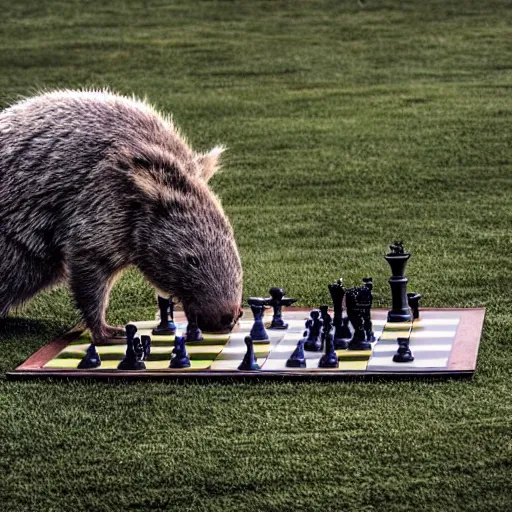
<point x="92" y="182"/>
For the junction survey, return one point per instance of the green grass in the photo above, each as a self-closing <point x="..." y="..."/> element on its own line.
<point x="348" y="124"/>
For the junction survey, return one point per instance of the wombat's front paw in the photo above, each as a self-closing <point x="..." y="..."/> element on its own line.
<point x="106" y="333"/>
<point x="115" y="332"/>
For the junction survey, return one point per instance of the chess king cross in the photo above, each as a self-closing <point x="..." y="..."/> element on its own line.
<point x="350" y="329"/>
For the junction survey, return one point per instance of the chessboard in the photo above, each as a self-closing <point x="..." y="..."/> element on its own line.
<point x="444" y="343"/>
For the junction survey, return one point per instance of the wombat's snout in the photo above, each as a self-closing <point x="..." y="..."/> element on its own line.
<point x="220" y="324"/>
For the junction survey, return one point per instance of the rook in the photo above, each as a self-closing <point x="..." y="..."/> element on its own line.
<point x="414" y="303"/>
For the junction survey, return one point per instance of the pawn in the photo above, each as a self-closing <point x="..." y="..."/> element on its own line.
<point x="297" y="359"/>
<point x="166" y="325"/>
<point x="91" y="358"/>
<point x="180" y="358"/>
<point x="134" y="356"/>
<point x="146" y="346"/>
<point x="249" y="362"/>
<point x="313" y="341"/>
<point x="403" y="354"/>
<point x="329" y="359"/>
<point x="193" y="333"/>
<point x="258" y="332"/>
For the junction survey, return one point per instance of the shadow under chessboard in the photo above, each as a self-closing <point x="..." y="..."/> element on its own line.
<point x="444" y="343"/>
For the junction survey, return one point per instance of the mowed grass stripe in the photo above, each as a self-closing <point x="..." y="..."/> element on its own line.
<point x="348" y="124"/>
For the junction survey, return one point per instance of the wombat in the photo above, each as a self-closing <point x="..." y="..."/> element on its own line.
<point x="92" y="182"/>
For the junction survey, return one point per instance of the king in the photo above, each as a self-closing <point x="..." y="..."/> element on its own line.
<point x="397" y="259"/>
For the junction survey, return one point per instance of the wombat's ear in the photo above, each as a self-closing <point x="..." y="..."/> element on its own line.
<point x="209" y="163"/>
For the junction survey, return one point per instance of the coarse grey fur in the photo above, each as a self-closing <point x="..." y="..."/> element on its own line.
<point x="92" y="182"/>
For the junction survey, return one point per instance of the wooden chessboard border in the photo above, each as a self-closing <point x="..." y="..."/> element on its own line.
<point x="461" y="363"/>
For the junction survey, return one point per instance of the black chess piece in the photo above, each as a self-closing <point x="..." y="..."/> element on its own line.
<point x="403" y="354"/>
<point x="330" y="358"/>
<point x="193" y="333"/>
<point x="180" y="359"/>
<point x="134" y="356"/>
<point x="297" y="359"/>
<point x="414" y="303"/>
<point x="313" y="341"/>
<point x="356" y="300"/>
<point x="397" y="259"/>
<point x="326" y="323"/>
<point x="91" y="359"/>
<point x="249" y="362"/>
<point x="277" y="300"/>
<point x="166" y="326"/>
<point x="365" y="301"/>
<point x="342" y="333"/>
<point x="345" y="334"/>
<point x="146" y="346"/>
<point x="258" y="332"/>
<point x="324" y="313"/>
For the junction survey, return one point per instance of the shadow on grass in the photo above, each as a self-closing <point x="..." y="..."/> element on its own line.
<point x="21" y="337"/>
<point x="23" y="327"/>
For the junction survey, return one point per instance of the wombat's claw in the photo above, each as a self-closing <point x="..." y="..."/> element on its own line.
<point x="115" y="332"/>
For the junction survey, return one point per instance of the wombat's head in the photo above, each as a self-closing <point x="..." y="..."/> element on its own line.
<point x="186" y="246"/>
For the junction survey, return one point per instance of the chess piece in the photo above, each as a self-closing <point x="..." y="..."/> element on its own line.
<point x="397" y="259"/>
<point x="297" y="359"/>
<point x="357" y="301"/>
<point x="134" y="356"/>
<point x="342" y="334"/>
<point x="180" y="359"/>
<point x="249" y="362"/>
<point x="365" y="302"/>
<point x="403" y="354"/>
<point x="326" y="323"/>
<point x="345" y="334"/>
<point x="413" y="300"/>
<point x="193" y="333"/>
<point x="277" y="300"/>
<point x="146" y="346"/>
<point x="329" y="359"/>
<point x="313" y="341"/>
<point x="258" y="332"/>
<point x="91" y="358"/>
<point x="166" y="326"/>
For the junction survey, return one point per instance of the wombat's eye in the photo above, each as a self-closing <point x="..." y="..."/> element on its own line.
<point x="193" y="261"/>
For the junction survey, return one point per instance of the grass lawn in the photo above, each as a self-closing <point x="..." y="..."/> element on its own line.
<point x="349" y="124"/>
